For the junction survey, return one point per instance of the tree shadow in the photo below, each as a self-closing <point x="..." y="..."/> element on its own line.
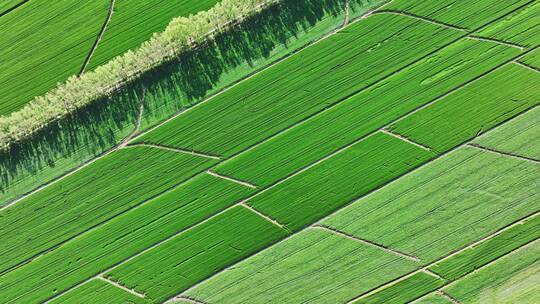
<point x="168" y="88"/>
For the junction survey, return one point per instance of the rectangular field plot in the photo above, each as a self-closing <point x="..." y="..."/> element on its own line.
<point x="467" y="261"/>
<point x="367" y="111"/>
<point x="98" y="291"/>
<point x="473" y="109"/>
<point x="121" y="238"/>
<point x="404" y="291"/>
<point x="44" y="42"/>
<point x="521" y="27"/>
<point x="315" y="266"/>
<point x="90" y="196"/>
<point x="329" y="185"/>
<point x="174" y="266"/>
<point x="446" y="205"/>
<point x="532" y="59"/>
<point x="520" y="136"/>
<point x="302" y="85"/>
<point x="466" y="14"/>
<point x="511" y="279"/>
<point x="134" y="22"/>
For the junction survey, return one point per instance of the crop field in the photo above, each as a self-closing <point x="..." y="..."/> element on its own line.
<point x="388" y="152"/>
<point x="44" y="42"/>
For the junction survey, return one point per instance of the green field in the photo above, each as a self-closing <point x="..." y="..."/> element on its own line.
<point x="307" y="154"/>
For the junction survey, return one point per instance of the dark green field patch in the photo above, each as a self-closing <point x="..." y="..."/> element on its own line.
<point x="90" y="196"/>
<point x="404" y="291"/>
<point x="302" y="85"/>
<point x="174" y="266"/>
<point x="331" y="184"/>
<point x="473" y="109"/>
<point x="367" y="111"/>
<point x="122" y="237"/>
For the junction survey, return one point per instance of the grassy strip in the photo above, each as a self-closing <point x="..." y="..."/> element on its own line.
<point x="520" y="136"/>
<point x="309" y="81"/>
<point x="196" y="254"/>
<point x="98" y="291"/>
<point x="446" y="205"/>
<point x="490" y="250"/>
<point x="466" y="14"/>
<point x="520" y="27"/>
<point x="532" y="59"/>
<point x="367" y="111"/>
<point x="312" y="194"/>
<point x="136" y="21"/>
<point x="511" y="279"/>
<point x="43" y="43"/>
<point x="314" y="266"/>
<point x="89" y="197"/>
<point x="122" y="237"/>
<point x="470" y="111"/>
<point x="406" y="290"/>
<point x="194" y="76"/>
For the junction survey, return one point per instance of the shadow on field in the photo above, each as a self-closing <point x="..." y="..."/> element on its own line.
<point x="168" y="88"/>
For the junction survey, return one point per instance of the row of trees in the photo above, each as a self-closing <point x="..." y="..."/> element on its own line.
<point x="182" y="33"/>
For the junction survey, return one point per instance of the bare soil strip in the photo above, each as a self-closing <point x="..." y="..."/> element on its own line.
<point x="523" y="64"/>
<point x="232" y="179"/>
<point x="191" y="152"/>
<point x="347" y="12"/>
<point x="131" y="291"/>
<point x="124" y="143"/>
<point x="98" y="38"/>
<point x="266" y="217"/>
<point x="504" y="154"/>
<point x="405" y="139"/>
<point x="186" y="299"/>
<point x="447" y="296"/>
<point x="498" y="41"/>
<point x="369" y="243"/>
<point x="425" y="268"/>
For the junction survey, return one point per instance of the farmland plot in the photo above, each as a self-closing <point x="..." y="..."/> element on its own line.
<point x="90" y="196"/>
<point x="304" y="84"/>
<point x="314" y="266"/>
<point x="120" y="238"/>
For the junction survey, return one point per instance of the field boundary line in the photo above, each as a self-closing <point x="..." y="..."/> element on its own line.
<point x="422" y="18"/>
<point x="171" y="149"/>
<point x="98" y="38"/>
<point x="447" y="296"/>
<point x="16" y="6"/>
<point x="503" y="154"/>
<point x="352" y="201"/>
<point x="366" y="242"/>
<point x="346" y="12"/>
<point x="498" y="41"/>
<point x="232" y="179"/>
<point x="185" y="298"/>
<point x="405" y="139"/>
<point x="266" y="217"/>
<point x="118" y="285"/>
<point x="124" y="143"/>
<point x="455" y="252"/>
<point x="527" y="66"/>
<point x="433" y="274"/>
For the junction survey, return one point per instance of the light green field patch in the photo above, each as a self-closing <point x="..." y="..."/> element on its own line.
<point x="519" y="136"/>
<point x="121" y="238"/>
<point x="42" y="43"/>
<point x="474" y="109"/>
<point x="331" y="184"/>
<point x="477" y="256"/>
<point x="367" y="111"/>
<point x="404" y="291"/>
<point x="521" y="27"/>
<point x="94" y="194"/>
<point x="315" y="266"/>
<point x="511" y="279"/>
<point x="466" y="14"/>
<point x="445" y="205"/>
<point x="302" y="85"/>
<point x="190" y="257"/>
<point x="98" y="291"/>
